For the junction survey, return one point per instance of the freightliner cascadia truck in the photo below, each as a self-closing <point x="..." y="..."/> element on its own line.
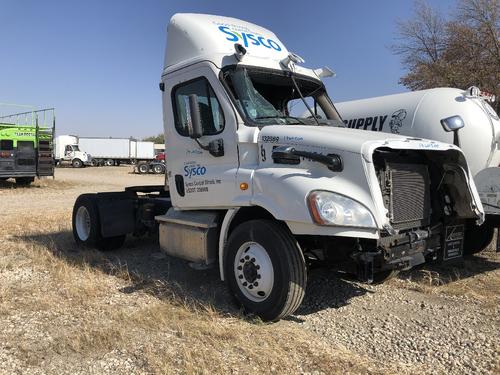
<point x="26" y="144"/>
<point x="262" y="195"/>
<point x="462" y="117"/>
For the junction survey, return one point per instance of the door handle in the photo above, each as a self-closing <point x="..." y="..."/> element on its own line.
<point x="179" y="184"/>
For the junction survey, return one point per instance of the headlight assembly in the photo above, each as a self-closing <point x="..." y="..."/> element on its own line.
<point x="329" y="208"/>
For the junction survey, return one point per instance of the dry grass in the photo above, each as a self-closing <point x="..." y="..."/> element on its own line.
<point x="43" y="183"/>
<point x="478" y="277"/>
<point x="56" y="307"/>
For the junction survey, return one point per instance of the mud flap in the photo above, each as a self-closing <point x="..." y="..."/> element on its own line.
<point x="116" y="213"/>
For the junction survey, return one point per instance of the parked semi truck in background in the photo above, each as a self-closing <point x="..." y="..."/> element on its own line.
<point x="26" y="143"/>
<point x="115" y="151"/>
<point x="262" y="194"/>
<point x="457" y="116"/>
<point x="68" y="151"/>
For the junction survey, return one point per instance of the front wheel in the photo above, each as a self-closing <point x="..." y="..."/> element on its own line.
<point x="87" y="226"/>
<point x="265" y="269"/>
<point x="77" y="163"/>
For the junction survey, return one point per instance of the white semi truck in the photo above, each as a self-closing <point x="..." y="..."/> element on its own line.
<point x="461" y="117"/>
<point x="68" y="152"/>
<point x="262" y="194"/>
<point x="114" y="151"/>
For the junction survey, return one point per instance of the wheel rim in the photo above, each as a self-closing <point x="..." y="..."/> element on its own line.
<point x="82" y="223"/>
<point x="158" y="169"/>
<point x="143" y="168"/>
<point x="254" y="271"/>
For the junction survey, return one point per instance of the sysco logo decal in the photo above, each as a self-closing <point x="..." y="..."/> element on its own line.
<point x="248" y="38"/>
<point x="191" y="171"/>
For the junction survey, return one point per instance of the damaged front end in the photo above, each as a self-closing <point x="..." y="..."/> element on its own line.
<point x="428" y="200"/>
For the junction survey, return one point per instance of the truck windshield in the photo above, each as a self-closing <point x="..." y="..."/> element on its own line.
<point x="269" y="97"/>
<point x="75" y="148"/>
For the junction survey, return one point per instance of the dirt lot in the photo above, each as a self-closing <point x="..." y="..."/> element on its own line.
<point x="67" y="310"/>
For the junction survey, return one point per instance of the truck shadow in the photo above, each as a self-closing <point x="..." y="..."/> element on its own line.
<point x="147" y="269"/>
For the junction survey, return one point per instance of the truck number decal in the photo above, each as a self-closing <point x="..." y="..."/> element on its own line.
<point x="270" y="139"/>
<point x="263" y="152"/>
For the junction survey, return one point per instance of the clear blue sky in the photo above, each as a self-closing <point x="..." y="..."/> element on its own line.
<point x="99" y="62"/>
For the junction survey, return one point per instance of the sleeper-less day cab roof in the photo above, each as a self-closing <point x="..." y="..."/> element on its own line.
<point x="195" y="37"/>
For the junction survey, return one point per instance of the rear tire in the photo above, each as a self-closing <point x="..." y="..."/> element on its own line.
<point x="109" y="162"/>
<point x="24" y="181"/>
<point x="159" y="169"/>
<point x="142" y="167"/>
<point x="77" y="163"/>
<point x="87" y="227"/>
<point x="478" y="238"/>
<point x="265" y="269"/>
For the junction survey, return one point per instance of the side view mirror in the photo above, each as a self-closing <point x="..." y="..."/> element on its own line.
<point x="452" y="123"/>
<point x="194" y="126"/>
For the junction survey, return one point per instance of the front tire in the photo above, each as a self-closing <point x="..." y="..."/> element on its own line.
<point x="77" y="163"/>
<point x="265" y="269"/>
<point x="87" y="226"/>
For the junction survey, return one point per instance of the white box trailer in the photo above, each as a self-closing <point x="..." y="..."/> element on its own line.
<point x="142" y="150"/>
<point x="115" y="151"/>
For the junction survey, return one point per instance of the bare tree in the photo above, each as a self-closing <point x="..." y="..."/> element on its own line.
<point x="459" y="51"/>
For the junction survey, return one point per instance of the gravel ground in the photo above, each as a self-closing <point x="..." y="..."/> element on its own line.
<point x="441" y="333"/>
<point x="450" y="327"/>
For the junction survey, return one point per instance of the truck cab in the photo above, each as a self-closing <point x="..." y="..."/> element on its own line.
<point x="262" y="194"/>
<point x="68" y="151"/>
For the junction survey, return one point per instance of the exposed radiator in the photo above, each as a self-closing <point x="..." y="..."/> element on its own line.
<point x="410" y="203"/>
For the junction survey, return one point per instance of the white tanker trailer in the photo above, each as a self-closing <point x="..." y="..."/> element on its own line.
<point x="449" y="115"/>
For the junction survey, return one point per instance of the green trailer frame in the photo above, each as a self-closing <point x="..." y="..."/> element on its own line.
<point x="27" y="145"/>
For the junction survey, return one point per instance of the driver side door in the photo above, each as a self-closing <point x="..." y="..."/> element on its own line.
<point x="196" y="178"/>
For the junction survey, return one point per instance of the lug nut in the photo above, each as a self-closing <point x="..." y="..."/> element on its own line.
<point x="252" y="260"/>
<point x="240" y="277"/>
<point x="257" y="266"/>
<point x="250" y="287"/>
<point x="245" y="283"/>
<point x="256" y="284"/>
<point x="240" y="268"/>
<point x="258" y="276"/>
<point x="247" y="257"/>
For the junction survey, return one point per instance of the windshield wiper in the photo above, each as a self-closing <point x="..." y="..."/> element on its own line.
<point x="303" y="99"/>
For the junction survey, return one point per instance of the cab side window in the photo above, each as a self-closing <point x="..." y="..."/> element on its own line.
<point x="212" y="117"/>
